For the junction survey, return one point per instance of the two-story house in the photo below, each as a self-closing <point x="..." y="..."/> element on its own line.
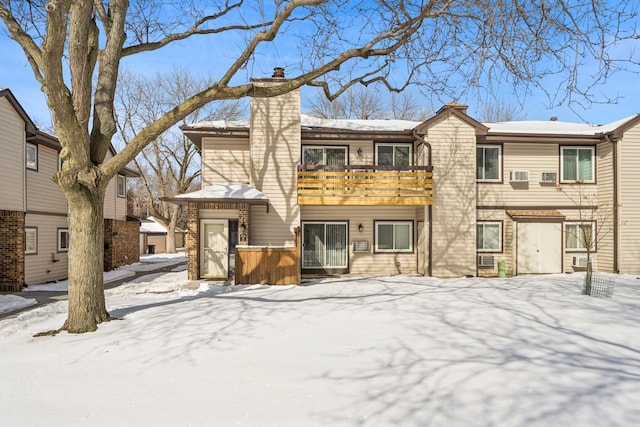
<point x="33" y="209"/>
<point x="446" y="197"/>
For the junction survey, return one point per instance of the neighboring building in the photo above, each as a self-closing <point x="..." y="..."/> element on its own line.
<point x="33" y="209"/>
<point x="153" y="237"/>
<point x="364" y="197"/>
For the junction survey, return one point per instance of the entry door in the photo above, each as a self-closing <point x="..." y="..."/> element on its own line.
<point x="539" y="247"/>
<point x="214" y="254"/>
<point x="324" y="245"/>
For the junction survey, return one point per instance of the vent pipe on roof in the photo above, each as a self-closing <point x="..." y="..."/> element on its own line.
<point x="553" y="119"/>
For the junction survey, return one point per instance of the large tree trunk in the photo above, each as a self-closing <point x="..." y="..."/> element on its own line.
<point x="171" y="238"/>
<point x="86" y="261"/>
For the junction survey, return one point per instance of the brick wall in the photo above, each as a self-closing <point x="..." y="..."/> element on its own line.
<point x="121" y="243"/>
<point x="192" y="237"/>
<point x="11" y="251"/>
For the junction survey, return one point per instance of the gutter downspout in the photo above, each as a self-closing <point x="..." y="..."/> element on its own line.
<point x="429" y="208"/>
<point x="610" y="138"/>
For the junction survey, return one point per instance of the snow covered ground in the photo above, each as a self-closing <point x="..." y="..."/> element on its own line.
<point x="405" y="351"/>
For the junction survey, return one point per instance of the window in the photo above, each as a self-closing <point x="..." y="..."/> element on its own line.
<point x="63" y="240"/>
<point x="394" y="236"/>
<point x="488" y="167"/>
<point x="32" y="156"/>
<point x="489" y="237"/>
<point x="576" y="164"/>
<point x="122" y="186"/>
<point x="393" y="154"/>
<point x="579" y="236"/>
<point x="30" y="240"/>
<point x="318" y="155"/>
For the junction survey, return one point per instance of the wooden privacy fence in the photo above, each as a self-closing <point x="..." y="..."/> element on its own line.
<point x="268" y="265"/>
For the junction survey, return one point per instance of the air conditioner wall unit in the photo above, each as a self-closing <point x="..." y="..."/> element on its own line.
<point x="485" y="260"/>
<point x="519" y="176"/>
<point x="549" y="177"/>
<point x="579" y="261"/>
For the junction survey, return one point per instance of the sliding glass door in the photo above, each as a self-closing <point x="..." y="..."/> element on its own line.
<point x="324" y="245"/>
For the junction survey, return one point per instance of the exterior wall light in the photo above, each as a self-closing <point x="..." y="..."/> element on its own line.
<point x="360" y="228"/>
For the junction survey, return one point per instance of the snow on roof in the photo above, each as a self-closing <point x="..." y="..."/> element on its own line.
<point x="554" y="127"/>
<point x="309" y="122"/>
<point x="225" y="191"/>
<point x="528" y="127"/>
<point x="152" y="226"/>
<point x="363" y="125"/>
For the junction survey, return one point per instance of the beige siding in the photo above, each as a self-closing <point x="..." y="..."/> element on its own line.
<point x="12" y="160"/>
<point x="371" y="262"/>
<point x="508" y="243"/>
<point x="114" y="207"/>
<point x="630" y="202"/>
<point x="454" y="209"/>
<point x="225" y="160"/>
<point x="121" y="204"/>
<point x="110" y="201"/>
<point x="536" y="158"/>
<point x="604" y="236"/>
<point x="40" y="267"/>
<point x="275" y="153"/>
<point x="43" y="194"/>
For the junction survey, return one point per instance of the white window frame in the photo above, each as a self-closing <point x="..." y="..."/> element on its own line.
<point x="580" y="244"/>
<point x="409" y="223"/>
<point x="122" y="179"/>
<point x="324" y="152"/>
<point x="34" y="164"/>
<point x="492" y="223"/>
<point x="394" y="145"/>
<point x="62" y="231"/>
<point x="593" y="164"/>
<point x="28" y="230"/>
<point x="492" y="146"/>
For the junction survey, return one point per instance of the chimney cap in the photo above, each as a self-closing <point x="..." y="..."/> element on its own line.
<point x="278" y="72"/>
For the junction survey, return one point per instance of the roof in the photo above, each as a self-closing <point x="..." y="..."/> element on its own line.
<point x="556" y="127"/>
<point x="537" y="214"/>
<point x="222" y="193"/>
<point x="240" y="128"/>
<point x="151" y="225"/>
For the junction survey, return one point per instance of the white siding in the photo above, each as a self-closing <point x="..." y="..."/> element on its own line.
<point x="454" y="209"/>
<point x="12" y="160"/>
<point x="275" y="152"/>
<point x="225" y="160"/>
<point x="40" y="267"/>
<point x="43" y="194"/>
<point x="630" y="202"/>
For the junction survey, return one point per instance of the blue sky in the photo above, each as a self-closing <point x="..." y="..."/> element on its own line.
<point x="196" y="55"/>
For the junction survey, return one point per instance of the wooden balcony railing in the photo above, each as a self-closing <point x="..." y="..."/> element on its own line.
<point x="365" y="185"/>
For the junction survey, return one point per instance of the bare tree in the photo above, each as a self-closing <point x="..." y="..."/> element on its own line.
<point x="594" y="224"/>
<point x="166" y="165"/>
<point x="366" y="104"/>
<point x="501" y="111"/>
<point x="75" y="49"/>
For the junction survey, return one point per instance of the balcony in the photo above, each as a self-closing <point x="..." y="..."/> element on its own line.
<point x="365" y="185"/>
